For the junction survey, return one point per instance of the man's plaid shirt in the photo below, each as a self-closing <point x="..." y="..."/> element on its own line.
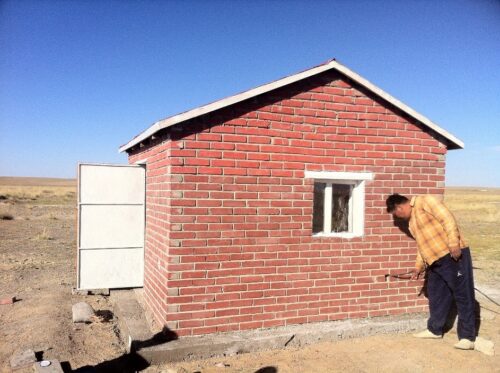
<point x="434" y="228"/>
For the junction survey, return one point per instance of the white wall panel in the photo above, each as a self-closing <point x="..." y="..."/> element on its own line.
<point x="112" y="184"/>
<point x="111" y="223"/>
<point x="111" y="226"/>
<point x="115" y="268"/>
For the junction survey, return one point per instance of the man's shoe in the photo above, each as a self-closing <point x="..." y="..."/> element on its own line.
<point x="464" y="344"/>
<point x="427" y="334"/>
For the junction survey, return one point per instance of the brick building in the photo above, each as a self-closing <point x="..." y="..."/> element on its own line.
<point x="267" y="208"/>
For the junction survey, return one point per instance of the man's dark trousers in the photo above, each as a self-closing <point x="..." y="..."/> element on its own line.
<point x="448" y="279"/>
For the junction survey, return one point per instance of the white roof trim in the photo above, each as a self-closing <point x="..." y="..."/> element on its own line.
<point x="278" y="84"/>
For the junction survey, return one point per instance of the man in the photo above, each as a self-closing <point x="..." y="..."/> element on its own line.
<point x="446" y="259"/>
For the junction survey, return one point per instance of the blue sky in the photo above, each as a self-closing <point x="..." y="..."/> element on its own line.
<point x="80" y="78"/>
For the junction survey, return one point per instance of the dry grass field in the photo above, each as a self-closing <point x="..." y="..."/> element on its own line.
<point x="37" y="191"/>
<point x="37" y="265"/>
<point x="477" y="211"/>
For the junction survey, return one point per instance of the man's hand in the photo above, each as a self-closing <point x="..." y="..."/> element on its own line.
<point x="415" y="273"/>
<point x="455" y="252"/>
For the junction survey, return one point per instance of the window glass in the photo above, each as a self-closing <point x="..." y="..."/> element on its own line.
<point x="341" y="195"/>
<point x="318" y="209"/>
<point x="338" y="203"/>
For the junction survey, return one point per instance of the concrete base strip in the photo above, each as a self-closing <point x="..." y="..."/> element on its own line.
<point x="227" y="344"/>
<point x="134" y="331"/>
<point x="131" y="320"/>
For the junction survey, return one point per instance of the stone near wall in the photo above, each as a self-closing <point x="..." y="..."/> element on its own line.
<point x="82" y="312"/>
<point x="485" y="346"/>
<point x="7" y="300"/>
<point x="22" y="359"/>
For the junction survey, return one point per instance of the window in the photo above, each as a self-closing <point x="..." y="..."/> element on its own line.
<point x="338" y="203"/>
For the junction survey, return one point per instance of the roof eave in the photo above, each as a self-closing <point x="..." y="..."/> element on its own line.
<point x="164" y="123"/>
<point x="453" y="142"/>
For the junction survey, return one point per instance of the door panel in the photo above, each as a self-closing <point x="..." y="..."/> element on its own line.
<point x="111" y="222"/>
<point x="111" y="269"/>
<point x="108" y="226"/>
<point x="108" y="184"/>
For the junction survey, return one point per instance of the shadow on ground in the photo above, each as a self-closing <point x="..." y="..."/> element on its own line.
<point x="130" y="362"/>
<point x="267" y="370"/>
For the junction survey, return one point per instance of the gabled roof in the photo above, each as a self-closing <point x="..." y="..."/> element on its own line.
<point x="454" y="143"/>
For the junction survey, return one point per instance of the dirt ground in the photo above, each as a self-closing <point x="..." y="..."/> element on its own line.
<point x="38" y="264"/>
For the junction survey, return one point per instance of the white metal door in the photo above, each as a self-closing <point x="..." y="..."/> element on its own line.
<point x="111" y="222"/>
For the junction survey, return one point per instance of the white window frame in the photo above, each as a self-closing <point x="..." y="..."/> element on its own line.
<point x="356" y="202"/>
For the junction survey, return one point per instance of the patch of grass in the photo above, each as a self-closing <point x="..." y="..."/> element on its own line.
<point x="6" y="217"/>
<point x="477" y="211"/>
<point x="40" y="195"/>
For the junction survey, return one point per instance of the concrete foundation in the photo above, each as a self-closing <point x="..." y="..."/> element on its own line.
<point x="136" y="334"/>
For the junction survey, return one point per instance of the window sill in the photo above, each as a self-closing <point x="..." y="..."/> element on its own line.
<point x="337" y="235"/>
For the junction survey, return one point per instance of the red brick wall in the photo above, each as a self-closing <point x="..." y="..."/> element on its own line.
<point x="229" y="212"/>
<point x="158" y="197"/>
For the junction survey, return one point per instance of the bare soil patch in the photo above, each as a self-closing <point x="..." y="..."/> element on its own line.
<point x="38" y="267"/>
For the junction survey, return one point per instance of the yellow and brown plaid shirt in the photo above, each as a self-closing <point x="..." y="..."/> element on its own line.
<point x="434" y="228"/>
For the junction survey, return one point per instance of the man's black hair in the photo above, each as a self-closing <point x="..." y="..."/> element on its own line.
<point x="394" y="200"/>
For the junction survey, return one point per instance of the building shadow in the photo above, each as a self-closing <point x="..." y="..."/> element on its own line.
<point x="104" y="315"/>
<point x="267" y="370"/>
<point x="129" y="362"/>
<point x="132" y="362"/>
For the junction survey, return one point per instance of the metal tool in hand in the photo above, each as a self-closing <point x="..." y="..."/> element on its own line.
<point x="400" y="276"/>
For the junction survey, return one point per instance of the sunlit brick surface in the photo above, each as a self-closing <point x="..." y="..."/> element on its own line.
<point x="229" y="242"/>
